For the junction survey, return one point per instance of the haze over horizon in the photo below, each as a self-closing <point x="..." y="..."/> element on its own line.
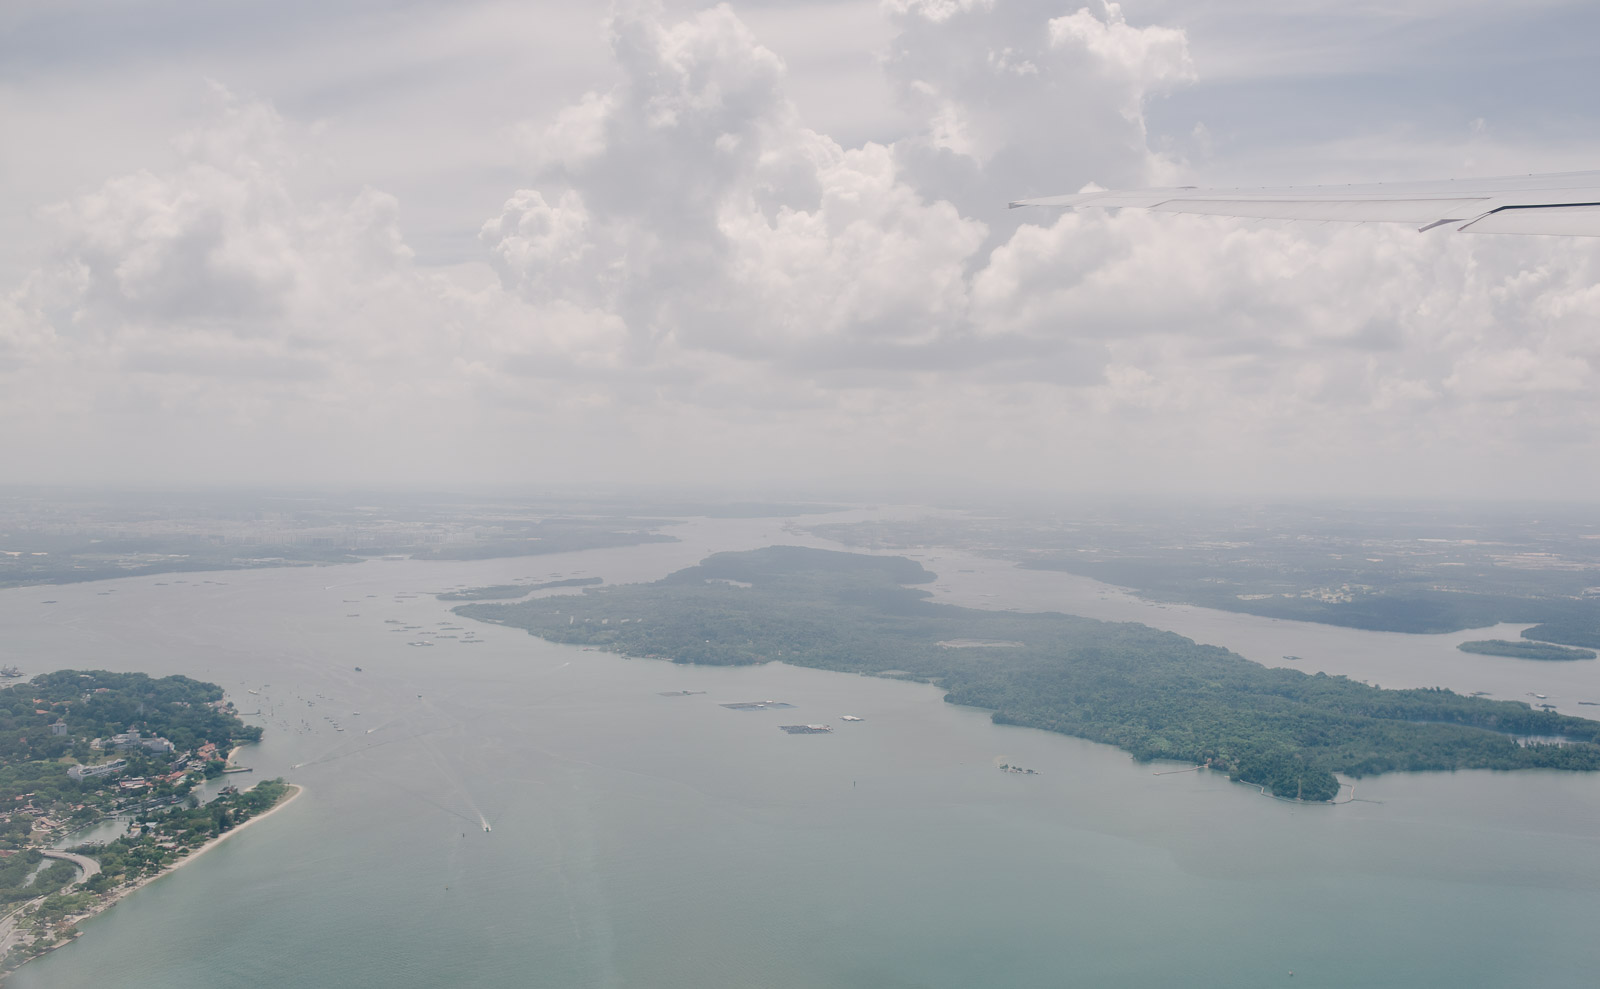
<point x="765" y="243"/>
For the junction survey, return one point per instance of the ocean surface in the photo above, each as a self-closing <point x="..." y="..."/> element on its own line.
<point x="638" y="839"/>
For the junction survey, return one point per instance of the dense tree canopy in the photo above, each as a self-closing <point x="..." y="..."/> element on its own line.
<point x="1153" y="693"/>
<point x="1525" y="650"/>
<point x="98" y="704"/>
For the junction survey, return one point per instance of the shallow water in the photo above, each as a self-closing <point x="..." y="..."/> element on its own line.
<point x="645" y="840"/>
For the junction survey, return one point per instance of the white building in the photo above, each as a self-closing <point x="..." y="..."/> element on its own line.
<point x="104" y="769"/>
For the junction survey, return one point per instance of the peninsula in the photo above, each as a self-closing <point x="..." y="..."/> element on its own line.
<point x="1525" y="649"/>
<point x="80" y="746"/>
<point x="1155" y="694"/>
<point x="503" y="592"/>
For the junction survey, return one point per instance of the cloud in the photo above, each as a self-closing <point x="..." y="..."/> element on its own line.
<point x="811" y="264"/>
<point x="1139" y="60"/>
<point x="936" y="11"/>
<point x="690" y="274"/>
<point x="220" y="241"/>
<point x="1024" y="98"/>
<point x="706" y="215"/>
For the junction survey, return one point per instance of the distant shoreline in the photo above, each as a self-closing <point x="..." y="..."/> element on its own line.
<point x="105" y="902"/>
<point x="1526" y="649"/>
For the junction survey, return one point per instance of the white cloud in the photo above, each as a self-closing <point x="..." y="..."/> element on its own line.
<point x="1140" y="60"/>
<point x="937" y="11"/>
<point x="1024" y="98"/>
<point x="689" y="273"/>
<point x="220" y="241"/>
<point x="711" y="218"/>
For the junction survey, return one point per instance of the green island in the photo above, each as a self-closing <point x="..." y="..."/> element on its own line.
<point x="1154" y="694"/>
<point x="1581" y="630"/>
<point x="1525" y="650"/>
<point x="81" y="746"/>
<point x="501" y="592"/>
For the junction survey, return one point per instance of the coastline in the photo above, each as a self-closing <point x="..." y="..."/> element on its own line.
<point x="295" y="789"/>
<point x="105" y="901"/>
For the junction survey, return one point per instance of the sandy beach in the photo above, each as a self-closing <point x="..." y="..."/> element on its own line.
<point x="295" y="790"/>
<point x="105" y="902"/>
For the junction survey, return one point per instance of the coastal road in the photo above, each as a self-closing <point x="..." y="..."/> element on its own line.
<point x="8" y="927"/>
<point x="90" y="867"/>
<point x="8" y="923"/>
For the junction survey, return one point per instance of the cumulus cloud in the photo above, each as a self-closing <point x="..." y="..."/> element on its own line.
<point x="218" y="243"/>
<point x="937" y="11"/>
<point x="1023" y="97"/>
<point x="709" y="217"/>
<point x="771" y="244"/>
<point x="690" y="272"/>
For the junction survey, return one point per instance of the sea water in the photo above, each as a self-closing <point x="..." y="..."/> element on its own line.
<point x="637" y="839"/>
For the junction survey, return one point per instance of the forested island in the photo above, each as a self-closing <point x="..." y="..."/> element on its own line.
<point x="502" y="592"/>
<point x="1155" y="694"/>
<point x="1579" y="628"/>
<point x="80" y="745"/>
<point x="1525" y="650"/>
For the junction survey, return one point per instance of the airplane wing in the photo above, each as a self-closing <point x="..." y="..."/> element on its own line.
<point x="1566" y="204"/>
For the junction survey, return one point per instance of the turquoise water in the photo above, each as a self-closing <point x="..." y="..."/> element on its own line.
<point x="643" y="840"/>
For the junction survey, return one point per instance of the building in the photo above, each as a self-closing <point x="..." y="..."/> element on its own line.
<point x="131" y="739"/>
<point x="59" y="728"/>
<point x="92" y="772"/>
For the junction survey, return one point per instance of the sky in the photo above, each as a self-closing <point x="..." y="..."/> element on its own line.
<point x="763" y="247"/>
